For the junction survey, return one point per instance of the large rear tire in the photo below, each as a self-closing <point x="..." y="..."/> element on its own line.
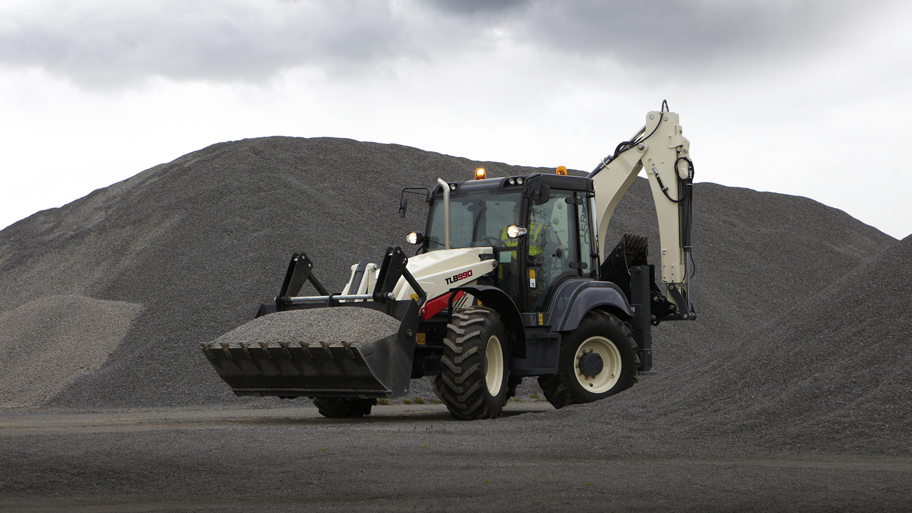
<point x="338" y="408"/>
<point x="475" y="365"/>
<point x="597" y="360"/>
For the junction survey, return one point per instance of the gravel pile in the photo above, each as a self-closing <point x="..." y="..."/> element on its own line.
<point x="830" y="374"/>
<point x="200" y="242"/>
<point x="356" y="326"/>
<point x="48" y="343"/>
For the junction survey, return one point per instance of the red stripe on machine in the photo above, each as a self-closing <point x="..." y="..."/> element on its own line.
<point x="436" y="305"/>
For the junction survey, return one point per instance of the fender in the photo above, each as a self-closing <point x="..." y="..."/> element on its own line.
<point x="500" y="302"/>
<point x="574" y="298"/>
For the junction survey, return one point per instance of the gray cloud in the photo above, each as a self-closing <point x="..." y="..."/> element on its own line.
<point x="235" y="40"/>
<point x="112" y="44"/>
<point x="682" y="34"/>
<point x="476" y="7"/>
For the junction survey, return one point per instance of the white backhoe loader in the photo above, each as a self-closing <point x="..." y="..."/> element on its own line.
<point x="509" y="281"/>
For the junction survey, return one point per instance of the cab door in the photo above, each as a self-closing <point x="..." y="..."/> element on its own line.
<point x="553" y="246"/>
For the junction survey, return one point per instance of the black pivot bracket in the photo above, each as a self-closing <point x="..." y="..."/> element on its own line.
<point x="393" y="268"/>
<point x="299" y="272"/>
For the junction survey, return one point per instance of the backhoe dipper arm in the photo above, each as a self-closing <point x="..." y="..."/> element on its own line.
<point x="662" y="150"/>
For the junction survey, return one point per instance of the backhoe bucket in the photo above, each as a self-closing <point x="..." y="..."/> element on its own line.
<point x="321" y="352"/>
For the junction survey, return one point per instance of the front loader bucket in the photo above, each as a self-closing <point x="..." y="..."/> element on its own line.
<point x="352" y="350"/>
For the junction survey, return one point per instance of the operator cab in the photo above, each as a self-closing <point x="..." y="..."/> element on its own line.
<point x="540" y="227"/>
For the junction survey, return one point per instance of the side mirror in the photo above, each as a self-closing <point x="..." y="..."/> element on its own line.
<point x="403" y="202"/>
<point x="403" y="205"/>
<point x="542" y="195"/>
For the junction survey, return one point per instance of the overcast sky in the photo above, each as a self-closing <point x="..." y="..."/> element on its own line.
<point x="807" y="98"/>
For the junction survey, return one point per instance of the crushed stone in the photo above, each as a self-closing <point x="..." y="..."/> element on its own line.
<point x="50" y="342"/>
<point x="357" y="326"/>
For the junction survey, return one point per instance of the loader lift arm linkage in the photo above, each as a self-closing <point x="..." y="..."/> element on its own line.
<point x="392" y="270"/>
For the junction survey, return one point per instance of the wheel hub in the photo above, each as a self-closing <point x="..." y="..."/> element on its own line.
<point x="494" y="365"/>
<point x="591" y="363"/>
<point x="597" y="364"/>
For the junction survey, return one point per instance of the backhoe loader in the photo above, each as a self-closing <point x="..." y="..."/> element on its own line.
<point x="509" y="280"/>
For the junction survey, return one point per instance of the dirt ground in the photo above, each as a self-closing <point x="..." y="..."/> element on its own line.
<point x="408" y="458"/>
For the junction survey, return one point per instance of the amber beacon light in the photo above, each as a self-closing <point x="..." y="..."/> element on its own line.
<point x="480" y="174"/>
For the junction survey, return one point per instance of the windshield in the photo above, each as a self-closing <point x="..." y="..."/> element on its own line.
<point x="474" y="217"/>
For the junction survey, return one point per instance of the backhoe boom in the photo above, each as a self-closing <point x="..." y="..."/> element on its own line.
<point x="660" y="149"/>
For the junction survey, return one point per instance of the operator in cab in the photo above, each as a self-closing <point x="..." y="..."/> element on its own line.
<point x="544" y="247"/>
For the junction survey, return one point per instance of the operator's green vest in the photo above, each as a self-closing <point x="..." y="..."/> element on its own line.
<point x="534" y="244"/>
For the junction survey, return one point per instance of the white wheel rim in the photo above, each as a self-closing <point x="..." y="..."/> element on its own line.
<point x="494" y="365"/>
<point x="611" y="365"/>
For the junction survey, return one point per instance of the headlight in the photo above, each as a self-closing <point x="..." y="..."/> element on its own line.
<point x="414" y="238"/>
<point x="514" y="231"/>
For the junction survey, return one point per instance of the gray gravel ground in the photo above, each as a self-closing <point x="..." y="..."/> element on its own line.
<point x="790" y="392"/>
<point x="412" y="458"/>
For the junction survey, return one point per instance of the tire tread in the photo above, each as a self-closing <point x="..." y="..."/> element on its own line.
<point x="462" y="382"/>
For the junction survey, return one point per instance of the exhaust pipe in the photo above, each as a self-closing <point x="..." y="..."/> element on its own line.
<point x="446" y="213"/>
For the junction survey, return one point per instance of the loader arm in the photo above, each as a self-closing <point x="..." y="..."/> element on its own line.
<point x="661" y="149"/>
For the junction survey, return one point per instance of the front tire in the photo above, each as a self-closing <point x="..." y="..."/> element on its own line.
<point x="597" y="360"/>
<point x="475" y="365"/>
